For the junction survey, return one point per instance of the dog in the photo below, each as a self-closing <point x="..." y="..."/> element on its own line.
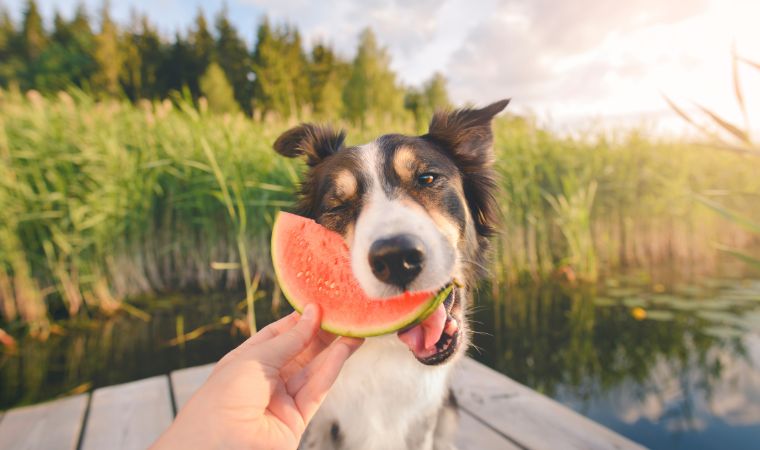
<point x="416" y="213"/>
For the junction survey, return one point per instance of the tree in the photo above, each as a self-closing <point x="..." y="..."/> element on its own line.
<point x="11" y="63"/>
<point x="371" y="90"/>
<point x="151" y="54"/>
<point x="232" y="55"/>
<point x="280" y="66"/>
<point x="201" y="52"/>
<point x="435" y="92"/>
<point x="327" y="77"/>
<point x="108" y="56"/>
<point x="32" y="32"/>
<point x="422" y="103"/>
<point x="67" y="57"/>
<point x="217" y="90"/>
<point x="178" y="69"/>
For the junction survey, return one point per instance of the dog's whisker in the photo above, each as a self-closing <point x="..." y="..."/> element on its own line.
<point x="487" y="270"/>
<point x="482" y="333"/>
<point x="476" y="348"/>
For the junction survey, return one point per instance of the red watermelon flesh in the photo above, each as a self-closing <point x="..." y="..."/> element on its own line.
<point x="313" y="265"/>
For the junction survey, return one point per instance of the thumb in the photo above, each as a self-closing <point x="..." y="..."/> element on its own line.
<point x="278" y="351"/>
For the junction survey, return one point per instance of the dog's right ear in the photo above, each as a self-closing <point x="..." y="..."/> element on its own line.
<point x="313" y="141"/>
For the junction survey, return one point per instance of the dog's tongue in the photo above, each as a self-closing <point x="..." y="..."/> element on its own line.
<point x="421" y="338"/>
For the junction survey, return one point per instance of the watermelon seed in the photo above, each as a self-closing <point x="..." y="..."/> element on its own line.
<point x="299" y="274"/>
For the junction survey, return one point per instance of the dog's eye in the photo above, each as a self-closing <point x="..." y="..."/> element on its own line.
<point x="426" y="179"/>
<point x="336" y="209"/>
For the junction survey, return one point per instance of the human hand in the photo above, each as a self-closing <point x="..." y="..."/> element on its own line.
<point x="262" y="394"/>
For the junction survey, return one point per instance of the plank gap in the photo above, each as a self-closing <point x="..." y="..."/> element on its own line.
<point x="172" y="400"/>
<point x="492" y="428"/>
<point x="86" y="416"/>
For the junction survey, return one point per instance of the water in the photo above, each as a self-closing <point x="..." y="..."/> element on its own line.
<point x="671" y="367"/>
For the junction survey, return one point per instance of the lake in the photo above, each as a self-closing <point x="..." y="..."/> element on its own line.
<point x="670" y="366"/>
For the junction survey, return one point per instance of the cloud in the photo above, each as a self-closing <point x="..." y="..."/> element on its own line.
<point x="419" y="35"/>
<point x="402" y="28"/>
<point x="544" y="51"/>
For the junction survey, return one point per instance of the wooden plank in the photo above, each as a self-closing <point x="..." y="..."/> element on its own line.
<point x="527" y="417"/>
<point x="52" y="425"/>
<point x="186" y="381"/>
<point x="128" y="416"/>
<point x="474" y="435"/>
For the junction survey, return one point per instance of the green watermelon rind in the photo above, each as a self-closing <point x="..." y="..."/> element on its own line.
<point x="408" y="320"/>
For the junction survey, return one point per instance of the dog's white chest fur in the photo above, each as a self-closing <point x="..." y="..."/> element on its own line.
<point x="381" y="393"/>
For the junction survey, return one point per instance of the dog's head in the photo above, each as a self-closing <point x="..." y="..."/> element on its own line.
<point x="415" y="211"/>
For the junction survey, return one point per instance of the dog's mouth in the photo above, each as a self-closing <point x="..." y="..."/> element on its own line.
<point x="436" y="339"/>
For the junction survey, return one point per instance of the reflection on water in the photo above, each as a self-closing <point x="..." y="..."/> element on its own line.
<point x="92" y="354"/>
<point x="669" y="367"/>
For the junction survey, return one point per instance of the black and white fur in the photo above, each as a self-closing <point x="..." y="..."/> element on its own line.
<point x="437" y="189"/>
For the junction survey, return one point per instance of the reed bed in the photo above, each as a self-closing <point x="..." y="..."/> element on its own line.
<point x="102" y="201"/>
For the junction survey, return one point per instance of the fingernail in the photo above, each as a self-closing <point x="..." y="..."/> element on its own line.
<point x="309" y="312"/>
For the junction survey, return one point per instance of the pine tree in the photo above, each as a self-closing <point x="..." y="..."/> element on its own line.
<point x="371" y="91"/>
<point x="217" y="90"/>
<point x="327" y="77"/>
<point x="177" y="70"/>
<point x="81" y="47"/>
<point x="11" y="63"/>
<point x="32" y="32"/>
<point x="130" y="76"/>
<point x="151" y="51"/>
<point x="61" y="32"/>
<point x="108" y="56"/>
<point x="201" y="52"/>
<point x="281" y="85"/>
<point x="430" y="98"/>
<point x="232" y="55"/>
<point x="435" y="92"/>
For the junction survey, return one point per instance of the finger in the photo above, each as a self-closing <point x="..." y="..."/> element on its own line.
<point x="312" y="394"/>
<point x="271" y="331"/>
<point x="274" y="329"/>
<point x="299" y="379"/>
<point x="281" y="349"/>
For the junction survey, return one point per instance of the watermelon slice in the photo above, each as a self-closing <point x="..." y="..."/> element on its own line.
<point x="313" y="265"/>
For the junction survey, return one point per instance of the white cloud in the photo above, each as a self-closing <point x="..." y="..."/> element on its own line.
<point x="608" y="60"/>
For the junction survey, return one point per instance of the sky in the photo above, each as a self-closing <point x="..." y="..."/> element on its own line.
<point x="572" y="64"/>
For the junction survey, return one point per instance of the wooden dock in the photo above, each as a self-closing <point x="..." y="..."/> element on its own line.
<point x="495" y="413"/>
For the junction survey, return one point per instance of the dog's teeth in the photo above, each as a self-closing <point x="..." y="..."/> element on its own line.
<point x="451" y="326"/>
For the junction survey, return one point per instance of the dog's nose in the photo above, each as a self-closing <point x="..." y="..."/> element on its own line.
<point x="397" y="259"/>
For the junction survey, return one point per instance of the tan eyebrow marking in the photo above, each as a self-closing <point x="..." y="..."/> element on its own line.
<point x="403" y="163"/>
<point x="345" y="184"/>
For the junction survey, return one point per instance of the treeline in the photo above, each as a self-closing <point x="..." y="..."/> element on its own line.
<point x="277" y="78"/>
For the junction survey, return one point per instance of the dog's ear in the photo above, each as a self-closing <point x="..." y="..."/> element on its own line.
<point x="313" y="141"/>
<point x="466" y="136"/>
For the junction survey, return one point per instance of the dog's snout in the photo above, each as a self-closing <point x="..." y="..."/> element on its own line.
<point x="397" y="259"/>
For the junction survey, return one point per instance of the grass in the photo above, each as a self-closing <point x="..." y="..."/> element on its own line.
<point x="101" y="201"/>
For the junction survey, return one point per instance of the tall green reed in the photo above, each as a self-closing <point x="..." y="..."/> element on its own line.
<point x="100" y="201"/>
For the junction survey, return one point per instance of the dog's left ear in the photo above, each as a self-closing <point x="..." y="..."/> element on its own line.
<point x="466" y="136"/>
<point x="313" y="141"/>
